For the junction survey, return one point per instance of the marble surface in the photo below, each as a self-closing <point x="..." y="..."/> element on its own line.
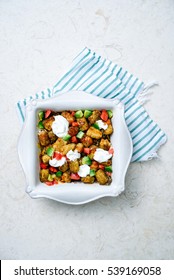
<point x="38" y="40"/>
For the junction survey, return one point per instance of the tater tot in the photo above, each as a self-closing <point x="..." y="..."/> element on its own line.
<point x="101" y="177"/>
<point x="65" y="149"/>
<point x="88" y="179"/>
<point x="94" y="133"/>
<point x="74" y="166"/>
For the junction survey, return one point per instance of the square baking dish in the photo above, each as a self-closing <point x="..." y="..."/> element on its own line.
<point x="78" y="192"/>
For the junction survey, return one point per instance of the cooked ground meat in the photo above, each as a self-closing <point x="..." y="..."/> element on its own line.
<point x="73" y="130"/>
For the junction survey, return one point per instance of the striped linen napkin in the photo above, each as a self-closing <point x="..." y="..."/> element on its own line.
<point x="96" y="75"/>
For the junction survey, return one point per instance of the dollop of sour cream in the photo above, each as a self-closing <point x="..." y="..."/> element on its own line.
<point x="84" y="170"/>
<point x="60" y="126"/>
<point x="73" y="155"/>
<point x="56" y="163"/>
<point x="101" y="124"/>
<point x="101" y="155"/>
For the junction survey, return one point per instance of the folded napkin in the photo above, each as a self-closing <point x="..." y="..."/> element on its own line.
<point x="96" y="75"/>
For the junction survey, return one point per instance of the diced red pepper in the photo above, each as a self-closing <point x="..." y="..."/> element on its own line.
<point x="47" y="114"/>
<point x="73" y="113"/>
<point x="43" y="165"/>
<point x="75" y="176"/>
<point x="74" y="139"/>
<point x="75" y="124"/>
<point x="101" y="166"/>
<point x="111" y="151"/>
<point x="57" y="155"/>
<point x="104" y="115"/>
<point x="48" y="183"/>
<point x="87" y="151"/>
<point x="109" y="173"/>
<point x="53" y="169"/>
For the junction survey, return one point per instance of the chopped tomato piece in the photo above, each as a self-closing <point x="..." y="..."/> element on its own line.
<point x="109" y="173"/>
<point x="55" y="182"/>
<point x="111" y="151"/>
<point x="57" y="155"/>
<point x="47" y="114"/>
<point x="53" y="169"/>
<point x="87" y="151"/>
<point x="43" y="165"/>
<point x="74" y="139"/>
<point x="101" y="166"/>
<point x="104" y="115"/>
<point x="73" y="113"/>
<point x="75" y="124"/>
<point x="75" y="176"/>
<point x="48" y="183"/>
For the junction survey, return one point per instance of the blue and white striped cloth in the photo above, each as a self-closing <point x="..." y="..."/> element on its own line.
<point x="96" y="75"/>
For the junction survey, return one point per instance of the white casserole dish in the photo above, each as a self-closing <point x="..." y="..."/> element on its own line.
<point x="74" y="193"/>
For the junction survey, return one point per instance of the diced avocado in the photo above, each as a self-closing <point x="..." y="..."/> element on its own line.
<point x="50" y="151"/>
<point x="40" y="125"/>
<point x="108" y="168"/>
<point x="92" y="173"/>
<point x="86" y="160"/>
<point x="79" y="114"/>
<point x="59" y="173"/>
<point x="80" y="134"/>
<point x="41" y="115"/>
<point x="66" y="137"/>
<point x="96" y="125"/>
<point x="87" y="113"/>
<point x="110" y="114"/>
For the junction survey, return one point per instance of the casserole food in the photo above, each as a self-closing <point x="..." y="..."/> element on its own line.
<point x="75" y="146"/>
<point x="74" y="192"/>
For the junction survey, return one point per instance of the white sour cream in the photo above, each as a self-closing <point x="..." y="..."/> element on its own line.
<point x="84" y="170"/>
<point x="101" y="155"/>
<point x="101" y="124"/>
<point x="56" y="163"/>
<point x="60" y="126"/>
<point x="73" y="155"/>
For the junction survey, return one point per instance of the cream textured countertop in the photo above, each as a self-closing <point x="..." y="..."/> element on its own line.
<point x="38" y="40"/>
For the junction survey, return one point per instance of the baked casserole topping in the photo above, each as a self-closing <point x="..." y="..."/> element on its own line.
<point x="75" y="146"/>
